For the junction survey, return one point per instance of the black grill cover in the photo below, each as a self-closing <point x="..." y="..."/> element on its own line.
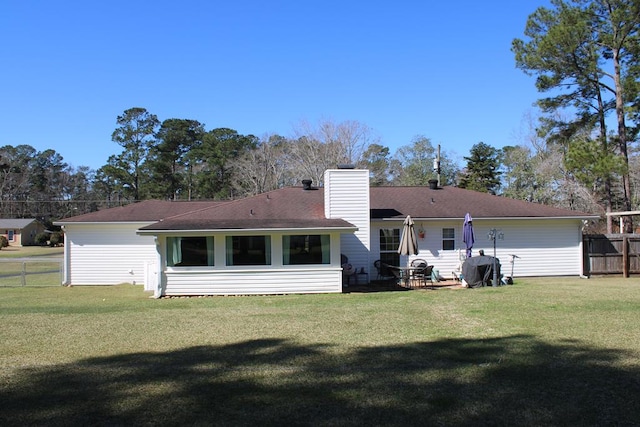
<point x="477" y="271"/>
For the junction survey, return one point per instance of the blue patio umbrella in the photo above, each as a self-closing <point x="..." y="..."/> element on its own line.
<point x="467" y="234"/>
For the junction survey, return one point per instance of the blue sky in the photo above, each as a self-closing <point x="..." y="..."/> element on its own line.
<point x="404" y="68"/>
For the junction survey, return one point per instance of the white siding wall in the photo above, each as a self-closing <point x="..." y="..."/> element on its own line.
<point x="347" y="197"/>
<point x="107" y="254"/>
<point x="253" y="281"/>
<point x="546" y="247"/>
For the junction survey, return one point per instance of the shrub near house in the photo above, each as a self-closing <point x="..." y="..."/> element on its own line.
<point x="42" y="239"/>
<point x="49" y="239"/>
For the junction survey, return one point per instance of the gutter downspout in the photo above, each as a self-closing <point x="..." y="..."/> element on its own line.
<point x="157" y="292"/>
<point x="65" y="260"/>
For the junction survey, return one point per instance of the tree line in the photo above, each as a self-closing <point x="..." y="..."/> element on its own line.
<point x="580" y="153"/>
<point x="178" y="159"/>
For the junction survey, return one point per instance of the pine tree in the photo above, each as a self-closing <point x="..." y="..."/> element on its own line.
<point x="482" y="172"/>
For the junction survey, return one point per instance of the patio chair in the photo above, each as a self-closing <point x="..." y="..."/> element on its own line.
<point x="418" y="262"/>
<point x="418" y="274"/>
<point x="347" y="270"/>
<point x="396" y="274"/>
<point x="384" y="272"/>
<point x="423" y="274"/>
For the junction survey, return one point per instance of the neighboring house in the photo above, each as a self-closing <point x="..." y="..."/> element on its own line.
<point x="291" y="240"/>
<point x="21" y="232"/>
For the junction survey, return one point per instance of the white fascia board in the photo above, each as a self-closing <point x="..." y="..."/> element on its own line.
<point x="497" y="218"/>
<point x="141" y="223"/>
<point x="623" y="213"/>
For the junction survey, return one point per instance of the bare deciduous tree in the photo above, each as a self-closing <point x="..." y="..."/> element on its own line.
<point x="315" y="149"/>
<point x="265" y="167"/>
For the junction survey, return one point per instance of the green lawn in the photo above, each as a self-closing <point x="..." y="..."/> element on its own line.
<point x="41" y="269"/>
<point x="30" y="251"/>
<point x="541" y="352"/>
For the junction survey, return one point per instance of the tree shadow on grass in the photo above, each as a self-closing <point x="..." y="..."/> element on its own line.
<point x="515" y="380"/>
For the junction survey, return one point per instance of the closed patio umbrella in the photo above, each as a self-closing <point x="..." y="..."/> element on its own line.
<point x="467" y="234"/>
<point x="408" y="241"/>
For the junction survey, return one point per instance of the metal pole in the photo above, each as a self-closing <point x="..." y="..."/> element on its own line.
<point x="495" y="234"/>
<point x="23" y="276"/>
<point x="438" y="165"/>
<point x="495" y="270"/>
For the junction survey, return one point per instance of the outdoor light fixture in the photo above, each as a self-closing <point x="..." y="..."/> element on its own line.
<point x="493" y="235"/>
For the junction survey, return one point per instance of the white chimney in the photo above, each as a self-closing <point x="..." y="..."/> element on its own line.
<point x="346" y="196"/>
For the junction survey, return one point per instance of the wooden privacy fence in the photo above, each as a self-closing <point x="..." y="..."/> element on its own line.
<point x="611" y="254"/>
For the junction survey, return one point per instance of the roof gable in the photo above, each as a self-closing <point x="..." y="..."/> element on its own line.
<point x="16" y="223"/>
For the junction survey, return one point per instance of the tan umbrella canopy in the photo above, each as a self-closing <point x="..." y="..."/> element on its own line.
<point x="408" y="241"/>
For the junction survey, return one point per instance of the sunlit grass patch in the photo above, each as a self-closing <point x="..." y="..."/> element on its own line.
<point x="543" y="351"/>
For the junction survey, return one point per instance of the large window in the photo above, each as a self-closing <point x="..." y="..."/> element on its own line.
<point x="389" y="243"/>
<point x="448" y="239"/>
<point x="189" y="251"/>
<point x="306" y="249"/>
<point x="248" y="250"/>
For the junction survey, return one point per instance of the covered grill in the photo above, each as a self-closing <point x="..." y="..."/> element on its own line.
<point x="477" y="271"/>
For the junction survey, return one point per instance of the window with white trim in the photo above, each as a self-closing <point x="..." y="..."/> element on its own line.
<point x="306" y="249"/>
<point x="448" y="239"/>
<point x="190" y="251"/>
<point x="248" y="250"/>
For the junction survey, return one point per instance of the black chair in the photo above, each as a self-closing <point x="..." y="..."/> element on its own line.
<point x="422" y="273"/>
<point x="419" y="262"/>
<point x="396" y="274"/>
<point x="419" y="265"/>
<point x="384" y="273"/>
<point x="347" y="269"/>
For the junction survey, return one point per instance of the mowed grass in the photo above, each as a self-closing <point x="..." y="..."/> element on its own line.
<point x="31" y="251"/>
<point x="30" y="266"/>
<point x="559" y="351"/>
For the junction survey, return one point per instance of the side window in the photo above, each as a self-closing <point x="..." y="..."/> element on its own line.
<point x="448" y="239"/>
<point x="248" y="250"/>
<point x="189" y="251"/>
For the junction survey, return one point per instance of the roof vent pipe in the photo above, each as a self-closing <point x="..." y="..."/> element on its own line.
<point x="306" y="184"/>
<point x="433" y="184"/>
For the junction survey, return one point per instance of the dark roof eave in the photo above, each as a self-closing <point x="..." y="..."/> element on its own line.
<point x="492" y="218"/>
<point x="156" y="231"/>
<point x="261" y="224"/>
<point x="62" y="222"/>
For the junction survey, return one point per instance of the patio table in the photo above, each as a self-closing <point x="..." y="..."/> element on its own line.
<point x="404" y="274"/>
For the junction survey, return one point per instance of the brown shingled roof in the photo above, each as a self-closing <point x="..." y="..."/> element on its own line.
<point x="453" y="202"/>
<point x="294" y="207"/>
<point x="290" y="207"/>
<point x="148" y="210"/>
